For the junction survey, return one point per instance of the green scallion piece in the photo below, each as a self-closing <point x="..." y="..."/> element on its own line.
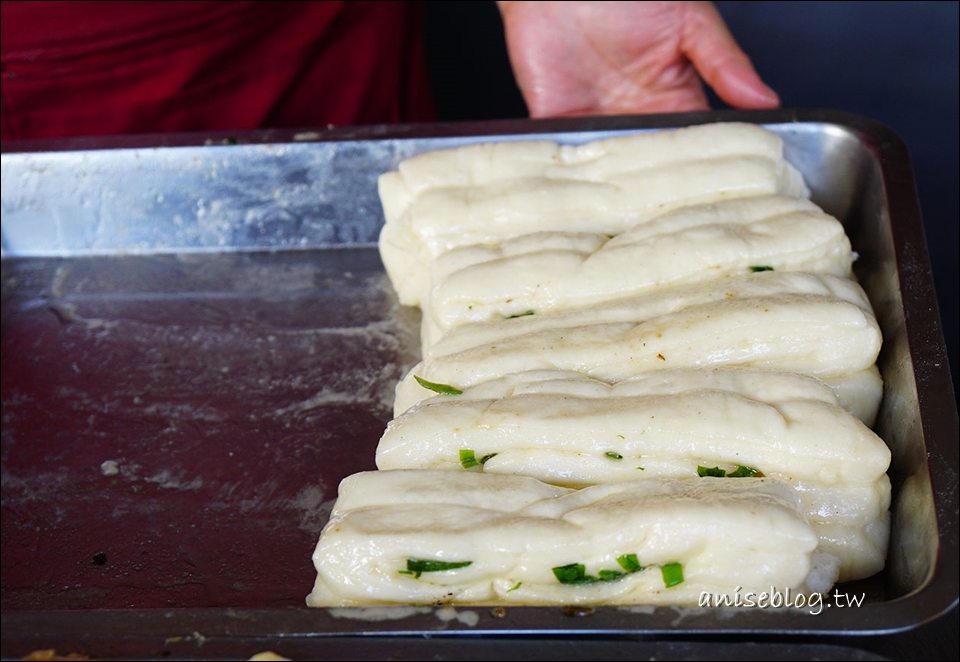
<point x="525" y="314"/>
<point x="672" y="574"/>
<point x="574" y="573"/>
<point x="630" y="563"/>
<point x="488" y="456"/>
<point x="442" y="389"/>
<point x="744" y="472"/>
<point x="760" y="267"/>
<point x="416" y="567"/>
<point x="716" y="472"/>
<point x="613" y="456"/>
<point x="468" y="459"/>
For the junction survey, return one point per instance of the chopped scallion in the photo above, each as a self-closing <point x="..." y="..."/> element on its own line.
<point x="744" y="472"/>
<point x="760" y="267"/>
<point x="416" y="567"/>
<point x="613" y="456"/>
<point x="672" y="574"/>
<point x="442" y="389"/>
<point x="610" y="575"/>
<point x="468" y="459"/>
<point x="741" y="471"/>
<point x="630" y="563"/>
<point x="716" y="472"/>
<point x="524" y="314"/>
<point x="574" y="573"/>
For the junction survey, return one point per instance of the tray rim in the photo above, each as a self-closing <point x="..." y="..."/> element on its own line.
<point x="332" y="133"/>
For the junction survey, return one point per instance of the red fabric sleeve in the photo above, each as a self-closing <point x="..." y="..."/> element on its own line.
<point x="96" y="68"/>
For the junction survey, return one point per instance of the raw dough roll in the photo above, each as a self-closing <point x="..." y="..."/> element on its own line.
<point x="573" y="431"/>
<point x="483" y="194"/>
<point x="423" y="537"/>
<point x="823" y="336"/>
<point x="689" y="245"/>
<point x="650" y="305"/>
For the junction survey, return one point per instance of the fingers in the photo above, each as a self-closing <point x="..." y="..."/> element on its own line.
<point x="637" y="57"/>
<point x="720" y="61"/>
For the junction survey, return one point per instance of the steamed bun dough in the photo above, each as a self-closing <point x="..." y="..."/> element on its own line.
<point x="616" y="316"/>
<point x="571" y="430"/>
<point x="824" y="335"/>
<point x="484" y="194"/>
<point x="501" y="537"/>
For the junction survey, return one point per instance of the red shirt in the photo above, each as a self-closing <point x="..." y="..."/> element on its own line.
<point x="95" y="68"/>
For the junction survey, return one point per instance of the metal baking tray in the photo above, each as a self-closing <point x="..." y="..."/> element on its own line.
<point x="199" y="342"/>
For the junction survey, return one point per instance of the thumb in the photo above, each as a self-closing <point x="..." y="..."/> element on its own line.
<point x="721" y="63"/>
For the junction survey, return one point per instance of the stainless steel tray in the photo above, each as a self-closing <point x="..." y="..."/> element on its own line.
<point x="199" y="342"/>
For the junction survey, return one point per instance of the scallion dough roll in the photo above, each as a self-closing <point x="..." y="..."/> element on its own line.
<point x="483" y="194"/>
<point x="827" y="337"/>
<point x="742" y="423"/>
<point x="689" y="245"/>
<point x="425" y="537"/>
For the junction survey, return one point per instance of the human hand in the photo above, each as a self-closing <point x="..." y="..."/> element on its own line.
<point x="605" y="58"/>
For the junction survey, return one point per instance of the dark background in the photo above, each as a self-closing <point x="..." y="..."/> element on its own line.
<point x="895" y="62"/>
